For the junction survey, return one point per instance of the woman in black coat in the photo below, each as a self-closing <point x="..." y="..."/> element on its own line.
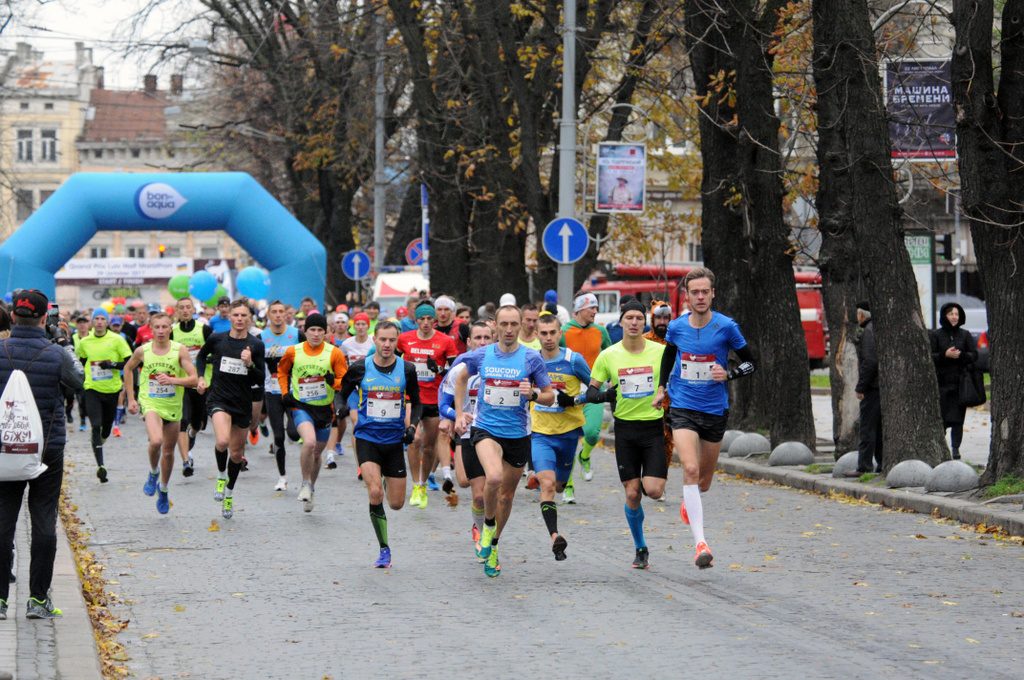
<point x="953" y="351"/>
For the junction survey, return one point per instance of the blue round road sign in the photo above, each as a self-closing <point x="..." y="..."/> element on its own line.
<point x="565" y="240"/>
<point x="355" y="264"/>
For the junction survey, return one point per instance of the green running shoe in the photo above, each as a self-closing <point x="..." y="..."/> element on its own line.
<point x="42" y="609"/>
<point x="222" y="484"/>
<point x="485" y="541"/>
<point x="491" y="567"/>
<point x="228" y="509"/>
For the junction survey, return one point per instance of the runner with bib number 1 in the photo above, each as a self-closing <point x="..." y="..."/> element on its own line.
<point x="696" y="354"/>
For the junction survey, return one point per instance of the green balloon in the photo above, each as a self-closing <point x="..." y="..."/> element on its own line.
<point x="217" y="295"/>
<point x="178" y="286"/>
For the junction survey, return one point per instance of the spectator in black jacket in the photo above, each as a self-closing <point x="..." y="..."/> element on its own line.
<point x="49" y="370"/>
<point x="870" y="446"/>
<point x="953" y="351"/>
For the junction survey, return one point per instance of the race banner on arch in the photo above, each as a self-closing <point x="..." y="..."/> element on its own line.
<point x="919" y="100"/>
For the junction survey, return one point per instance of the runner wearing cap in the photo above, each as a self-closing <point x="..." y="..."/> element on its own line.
<point x="696" y="354"/>
<point x="430" y="352"/>
<point x="165" y="370"/>
<point x="448" y="324"/>
<point x="103" y="354"/>
<point x="309" y="374"/>
<point x="633" y="366"/>
<point x="221" y="321"/>
<point x="582" y="335"/>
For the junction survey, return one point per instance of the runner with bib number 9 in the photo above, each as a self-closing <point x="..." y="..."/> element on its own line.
<point x="693" y="366"/>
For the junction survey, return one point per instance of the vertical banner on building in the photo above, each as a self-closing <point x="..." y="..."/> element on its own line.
<point x="919" y="100"/>
<point x="621" y="178"/>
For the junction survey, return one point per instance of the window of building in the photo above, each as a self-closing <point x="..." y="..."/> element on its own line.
<point x="45" y="194"/>
<point x="23" y="106"/>
<point x="97" y="252"/>
<point x="48" y="106"/>
<point x="137" y="251"/>
<point x="136" y="152"/>
<point x="24" y="150"/>
<point x="48" y="145"/>
<point x="209" y="252"/>
<point x="172" y="251"/>
<point x="97" y="153"/>
<point x="26" y="204"/>
<point x="696" y="252"/>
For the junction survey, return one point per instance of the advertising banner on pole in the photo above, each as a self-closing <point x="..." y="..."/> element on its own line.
<point x="919" y="100"/>
<point x="621" y="178"/>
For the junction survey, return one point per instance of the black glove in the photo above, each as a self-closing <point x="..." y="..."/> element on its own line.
<point x="432" y="365"/>
<point x="343" y="412"/>
<point x="610" y="395"/>
<point x="410" y="434"/>
<point x="746" y="368"/>
<point x="288" y="400"/>
<point x="564" y="400"/>
<point x="106" y="363"/>
<point x="329" y="378"/>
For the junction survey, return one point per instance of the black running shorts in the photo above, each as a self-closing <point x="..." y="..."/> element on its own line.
<point x="390" y="457"/>
<point x="708" y="426"/>
<point x="515" y="452"/>
<point x="640" y="449"/>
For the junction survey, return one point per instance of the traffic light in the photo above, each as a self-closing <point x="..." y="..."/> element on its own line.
<point x="944" y="247"/>
<point x="162" y="249"/>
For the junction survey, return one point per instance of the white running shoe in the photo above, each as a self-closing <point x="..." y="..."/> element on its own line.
<point x="588" y="475"/>
<point x="282" y="484"/>
<point x="330" y="461"/>
<point x="307" y="505"/>
<point x="306" y="496"/>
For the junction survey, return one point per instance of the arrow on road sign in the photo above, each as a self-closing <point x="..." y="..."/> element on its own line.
<point x="565" y="240"/>
<point x="355" y="265"/>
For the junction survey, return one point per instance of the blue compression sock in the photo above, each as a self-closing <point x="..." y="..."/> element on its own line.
<point x="635" y="520"/>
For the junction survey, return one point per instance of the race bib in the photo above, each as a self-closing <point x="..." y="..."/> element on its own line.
<point x="271" y="385"/>
<point x="471" y="405"/>
<point x="554" y="408"/>
<point x="384" y="405"/>
<point x="158" y="391"/>
<point x="423" y="372"/>
<point x="696" y="367"/>
<point x="100" y="373"/>
<point x="312" y="388"/>
<point x="636" y="382"/>
<point x="193" y="353"/>
<point x="233" y="366"/>
<point x="501" y="393"/>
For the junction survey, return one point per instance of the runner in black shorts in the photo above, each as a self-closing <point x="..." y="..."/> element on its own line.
<point x="632" y="367"/>
<point x="468" y="470"/>
<point x="383" y="425"/>
<point x="237" y="358"/>
<point x="693" y="366"/>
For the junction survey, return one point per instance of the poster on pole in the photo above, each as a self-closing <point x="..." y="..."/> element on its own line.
<point x="920" y="248"/>
<point x="621" y="177"/>
<point x="919" y="100"/>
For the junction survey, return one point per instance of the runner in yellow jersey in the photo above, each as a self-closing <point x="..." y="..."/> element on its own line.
<point x="165" y="371"/>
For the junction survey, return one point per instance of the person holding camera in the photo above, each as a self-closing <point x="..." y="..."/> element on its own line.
<point x="50" y="372"/>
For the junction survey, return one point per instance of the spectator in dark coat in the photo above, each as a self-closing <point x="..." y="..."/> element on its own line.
<point x="953" y="351"/>
<point x="870" y="446"/>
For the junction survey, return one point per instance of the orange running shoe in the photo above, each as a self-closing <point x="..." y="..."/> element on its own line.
<point x="254" y="437"/>
<point x="116" y="431"/>
<point x="682" y="513"/>
<point x="532" y="482"/>
<point x="703" y="557"/>
<point x="476" y="534"/>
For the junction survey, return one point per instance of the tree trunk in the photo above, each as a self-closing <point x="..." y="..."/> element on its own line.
<point x="407" y="227"/>
<point x="850" y="104"/>
<point x="746" y="241"/>
<point x="990" y="135"/>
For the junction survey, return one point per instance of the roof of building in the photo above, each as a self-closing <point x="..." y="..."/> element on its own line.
<point x="125" y="115"/>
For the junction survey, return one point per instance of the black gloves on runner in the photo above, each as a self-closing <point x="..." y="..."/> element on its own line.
<point x="410" y="434"/>
<point x="746" y="368"/>
<point x="288" y="400"/>
<point x="564" y="400"/>
<point x="343" y="412"/>
<point x="329" y="378"/>
<point x="432" y="365"/>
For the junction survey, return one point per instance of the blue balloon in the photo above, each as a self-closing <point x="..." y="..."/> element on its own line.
<point x="9" y="298"/>
<point x="253" y="283"/>
<point x="202" y="285"/>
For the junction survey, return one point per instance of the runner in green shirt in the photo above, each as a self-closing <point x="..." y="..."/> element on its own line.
<point x="166" y="370"/>
<point x="633" y="367"/>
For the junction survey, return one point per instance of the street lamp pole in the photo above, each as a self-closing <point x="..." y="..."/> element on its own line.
<point x="379" y="180"/>
<point x="567" y="142"/>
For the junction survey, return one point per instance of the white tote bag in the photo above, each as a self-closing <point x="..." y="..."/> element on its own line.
<point x="21" y="432"/>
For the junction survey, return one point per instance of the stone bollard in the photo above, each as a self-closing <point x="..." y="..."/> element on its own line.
<point x="749" y="443"/>
<point x="909" y="473"/>
<point x="951" y="476"/>
<point x="729" y="437"/>
<point x="847" y="463"/>
<point x="791" y="453"/>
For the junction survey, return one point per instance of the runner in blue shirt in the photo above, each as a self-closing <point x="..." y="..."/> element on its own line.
<point x="511" y="376"/>
<point x="696" y="354"/>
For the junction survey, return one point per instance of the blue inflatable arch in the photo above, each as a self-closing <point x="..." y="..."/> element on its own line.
<point x="230" y="201"/>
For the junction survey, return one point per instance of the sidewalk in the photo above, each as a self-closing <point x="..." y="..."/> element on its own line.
<point x="59" y="648"/>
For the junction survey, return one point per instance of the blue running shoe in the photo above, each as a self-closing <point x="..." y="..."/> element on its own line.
<point x="149" y="488"/>
<point x="431" y="484"/>
<point x="81" y="428"/>
<point x="384" y="561"/>
<point x="163" y="503"/>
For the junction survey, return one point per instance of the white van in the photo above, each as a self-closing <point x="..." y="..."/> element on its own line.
<point x="392" y="290"/>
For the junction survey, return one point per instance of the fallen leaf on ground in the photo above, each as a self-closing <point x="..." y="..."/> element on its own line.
<point x="213" y="526"/>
